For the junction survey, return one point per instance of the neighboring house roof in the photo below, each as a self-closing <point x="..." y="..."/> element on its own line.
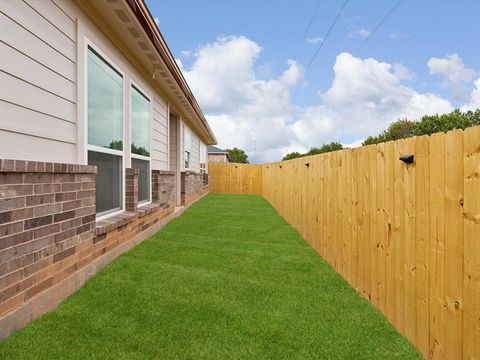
<point x="215" y="150"/>
<point x="132" y="22"/>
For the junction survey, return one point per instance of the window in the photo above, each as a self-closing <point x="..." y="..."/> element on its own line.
<point x="105" y="130"/>
<point x="140" y="148"/>
<point x="187" y="142"/>
<point x="203" y="158"/>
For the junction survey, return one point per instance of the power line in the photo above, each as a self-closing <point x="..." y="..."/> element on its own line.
<point x="309" y="26"/>
<point x="326" y="36"/>
<point x="379" y="24"/>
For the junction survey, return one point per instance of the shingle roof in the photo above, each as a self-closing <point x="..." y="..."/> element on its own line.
<point x="215" y="150"/>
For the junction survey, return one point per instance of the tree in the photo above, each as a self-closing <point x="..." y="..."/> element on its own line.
<point x="428" y="124"/>
<point x="333" y="146"/>
<point x="292" y="155"/>
<point x="237" y="156"/>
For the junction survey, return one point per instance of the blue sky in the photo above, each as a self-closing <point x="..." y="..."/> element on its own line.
<point x="425" y="55"/>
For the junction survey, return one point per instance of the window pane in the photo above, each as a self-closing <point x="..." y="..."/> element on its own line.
<point x="187" y="139"/>
<point x="143" y="178"/>
<point x="108" y="181"/>
<point x="105" y="103"/>
<point x="140" y="123"/>
<point x="187" y="159"/>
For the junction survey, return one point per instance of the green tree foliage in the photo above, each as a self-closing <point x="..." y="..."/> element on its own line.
<point x="428" y="124"/>
<point x="139" y="150"/>
<point x="292" y="155"/>
<point x="333" y="146"/>
<point x="237" y="155"/>
<point x="116" y="145"/>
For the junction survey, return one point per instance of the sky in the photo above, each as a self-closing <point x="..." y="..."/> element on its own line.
<point x="252" y="66"/>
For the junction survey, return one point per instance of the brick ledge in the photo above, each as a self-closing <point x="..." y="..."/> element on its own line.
<point x="106" y="225"/>
<point x="13" y="166"/>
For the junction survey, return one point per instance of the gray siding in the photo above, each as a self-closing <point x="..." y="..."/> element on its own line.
<point x="38" y="74"/>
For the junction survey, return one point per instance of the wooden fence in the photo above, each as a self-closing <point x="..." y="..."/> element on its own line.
<point x="235" y="178"/>
<point x="405" y="236"/>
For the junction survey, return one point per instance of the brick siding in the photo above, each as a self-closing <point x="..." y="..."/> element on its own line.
<point x="193" y="186"/>
<point x="49" y="236"/>
<point x="47" y="216"/>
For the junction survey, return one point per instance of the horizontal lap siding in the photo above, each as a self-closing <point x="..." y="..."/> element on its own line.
<point x="38" y="76"/>
<point x="160" y="135"/>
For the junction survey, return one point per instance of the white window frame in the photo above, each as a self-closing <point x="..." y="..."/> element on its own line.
<point x="96" y="148"/>
<point x="136" y="156"/>
<point x="185" y="130"/>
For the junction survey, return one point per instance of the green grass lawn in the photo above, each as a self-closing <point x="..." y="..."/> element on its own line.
<point x="229" y="279"/>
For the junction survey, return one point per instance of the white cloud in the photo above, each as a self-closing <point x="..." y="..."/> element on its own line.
<point x="186" y="53"/>
<point x="363" y="33"/>
<point x="314" y="40"/>
<point x="474" y="102"/>
<point x="258" y="115"/>
<point x="456" y="76"/>
<point x="403" y="72"/>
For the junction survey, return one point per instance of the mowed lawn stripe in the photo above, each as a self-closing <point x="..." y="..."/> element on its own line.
<point x="228" y="279"/>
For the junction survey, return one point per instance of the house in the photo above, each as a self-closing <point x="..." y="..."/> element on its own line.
<point x="216" y="155"/>
<point x="101" y="141"/>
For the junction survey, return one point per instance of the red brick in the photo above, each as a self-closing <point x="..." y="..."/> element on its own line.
<point x="71" y="224"/>
<point x="47" y="209"/>
<point x="11" y="229"/>
<point x="40" y="199"/>
<point x="71" y="205"/>
<point x="46" y="230"/>
<point x="38" y="222"/>
<point x="85" y="194"/>
<point x="71" y="187"/>
<point x="13" y="190"/>
<point x="34" y="290"/>
<point x="16" y="264"/>
<point x="64" y="178"/>
<point x="64" y="216"/>
<point x="47" y="188"/>
<point x="65" y="253"/>
<point x="16" y="215"/>
<point x="12" y="203"/>
<point x="16" y="239"/>
<point x="64" y="235"/>
<point x="37" y="178"/>
<point x="11" y="278"/>
<point x="15" y="289"/>
<point x="68" y="196"/>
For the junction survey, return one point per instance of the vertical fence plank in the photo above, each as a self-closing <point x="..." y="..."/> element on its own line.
<point x="454" y="244"/>
<point x="422" y="192"/>
<point x="471" y="246"/>
<point x="373" y="234"/>
<point x="381" y="227"/>
<point x="399" y="235"/>
<point x="437" y="245"/>
<point x="405" y="236"/>
<point x="389" y="241"/>
<point x="410" y="269"/>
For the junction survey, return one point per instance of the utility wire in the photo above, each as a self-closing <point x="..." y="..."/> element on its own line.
<point x="326" y="36"/>
<point x="308" y="27"/>
<point x="379" y="24"/>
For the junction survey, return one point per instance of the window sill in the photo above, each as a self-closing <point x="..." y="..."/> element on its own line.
<point x="114" y="222"/>
<point x="147" y="209"/>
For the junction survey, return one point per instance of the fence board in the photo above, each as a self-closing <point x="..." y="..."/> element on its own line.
<point x="405" y="236"/>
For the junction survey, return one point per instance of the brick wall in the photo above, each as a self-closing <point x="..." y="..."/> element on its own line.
<point x="218" y="158"/>
<point x="50" y="243"/>
<point x="193" y="185"/>
<point x="47" y="215"/>
<point x="163" y="187"/>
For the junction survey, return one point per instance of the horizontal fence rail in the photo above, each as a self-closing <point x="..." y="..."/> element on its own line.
<point x="405" y="236"/>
